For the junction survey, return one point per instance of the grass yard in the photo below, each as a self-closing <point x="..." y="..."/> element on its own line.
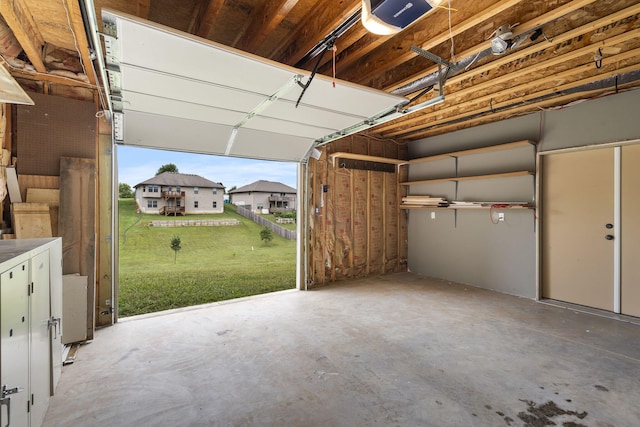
<point x="214" y="264"/>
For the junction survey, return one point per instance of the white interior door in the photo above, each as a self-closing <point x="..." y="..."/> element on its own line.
<point x="14" y="333"/>
<point x="577" y="227"/>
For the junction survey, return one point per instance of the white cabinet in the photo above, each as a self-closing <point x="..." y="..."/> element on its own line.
<point x="30" y="328"/>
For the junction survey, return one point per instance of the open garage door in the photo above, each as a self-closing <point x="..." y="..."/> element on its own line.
<point x="171" y="90"/>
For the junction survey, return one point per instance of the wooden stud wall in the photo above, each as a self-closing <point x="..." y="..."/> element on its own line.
<point x="356" y="228"/>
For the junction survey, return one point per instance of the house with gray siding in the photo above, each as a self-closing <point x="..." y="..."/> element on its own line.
<point x="172" y="193"/>
<point x="262" y="194"/>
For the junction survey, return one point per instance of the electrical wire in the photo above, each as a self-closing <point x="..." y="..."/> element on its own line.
<point x="449" y="9"/>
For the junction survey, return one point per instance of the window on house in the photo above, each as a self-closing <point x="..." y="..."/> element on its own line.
<point x="215" y="191"/>
<point x="152" y="203"/>
<point x="195" y="203"/>
<point x="195" y="190"/>
<point x="177" y="189"/>
<point x="153" y="189"/>
<point x="260" y="206"/>
<point x="178" y="202"/>
<point x="215" y="204"/>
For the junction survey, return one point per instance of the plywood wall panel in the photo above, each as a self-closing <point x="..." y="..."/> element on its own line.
<point x="52" y="128"/>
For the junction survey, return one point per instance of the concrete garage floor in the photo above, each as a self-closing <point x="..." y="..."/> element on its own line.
<point x="396" y="350"/>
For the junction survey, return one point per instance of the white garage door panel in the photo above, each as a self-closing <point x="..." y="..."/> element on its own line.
<point x="161" y="48"/>
<point x="180" y="92"/>
<point x="172" y="108"/>
<point x="345" y="97"/>
<point x="285" y="127"/>
<point x="172" y="133"/>
<point x="193" y="91"/>
<point x="263" y="145"/>
<point x="311" y="115"/>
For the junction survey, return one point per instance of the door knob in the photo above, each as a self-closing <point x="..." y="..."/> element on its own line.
<point x="608" y="237"/>
<point x="609" y="226"/>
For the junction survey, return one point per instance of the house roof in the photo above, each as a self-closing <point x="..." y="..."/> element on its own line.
<point x="263" y="186"/>
<point x="181" y="180"/>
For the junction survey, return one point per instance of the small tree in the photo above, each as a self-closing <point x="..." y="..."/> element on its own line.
<point x="124" y="191"/>
<point x="266" y="234"/>
<point x="175" y="246"/>
<point x="169" y="167"/>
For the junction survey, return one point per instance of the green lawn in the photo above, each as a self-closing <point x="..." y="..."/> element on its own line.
<point x="215" y="263"/>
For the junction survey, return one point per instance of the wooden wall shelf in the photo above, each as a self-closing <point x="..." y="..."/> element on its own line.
<point x="471" y="208"/>
<point x="481" y="150"/>
<point x="364" y="157"/>
<point x="469" y="178"/>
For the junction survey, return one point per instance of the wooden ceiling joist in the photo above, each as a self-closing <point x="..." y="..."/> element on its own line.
<point x="524" y="27"/>
<point x="471" y="94"/>
<point x="440" y="117"/>
<point x="143" y="7"/>
<point x="385" y="60"/>
<point x="325" y="16"/>
<point x="80" y="37"/>
<point x="263" y="23"/>
<point x="209" y="18"/>
<point x="21" y="23"/>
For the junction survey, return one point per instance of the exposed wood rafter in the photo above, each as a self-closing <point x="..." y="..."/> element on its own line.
<point x="75" y="16"/>
<point x="21" y="23"/>
<point x="263" y="23"/>
<point x="209" y="18"/>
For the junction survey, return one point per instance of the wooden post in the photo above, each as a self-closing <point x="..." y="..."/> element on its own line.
<point x="105" y="301"/>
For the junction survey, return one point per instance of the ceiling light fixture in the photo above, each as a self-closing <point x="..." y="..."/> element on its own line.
<point x="504" y="39"/>
<point x="386" y="17"/>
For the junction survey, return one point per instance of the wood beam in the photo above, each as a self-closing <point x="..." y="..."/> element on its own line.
<point x="263" y="23"/>
<point x="209" y="18"/>
<point x="48" y="78"/>
<point x="527" y="26"/>
<point x="21" y="23"/>
<point x="396" y="52"/>
<point x="467" y="94"/>
<point x="143" y="8"/>
<point x="477" y="105"/>
<point x="82" y="44"/>
<point x="320" y="21"/>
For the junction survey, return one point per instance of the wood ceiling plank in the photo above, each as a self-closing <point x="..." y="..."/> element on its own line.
<point x="21" y="23"/>
<point x="80" y="37"/>
<point x="399" y="51"/>
<point x="143" y="7"/>
<point x="526" y="26"/>
<point x="263" y="23"/>
<point x="467" y="94"/>
<point x="323" y="18"/>
<point x="209" y="18"/>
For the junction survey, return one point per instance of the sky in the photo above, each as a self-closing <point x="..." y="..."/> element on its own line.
<point x="136" y="165"/>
